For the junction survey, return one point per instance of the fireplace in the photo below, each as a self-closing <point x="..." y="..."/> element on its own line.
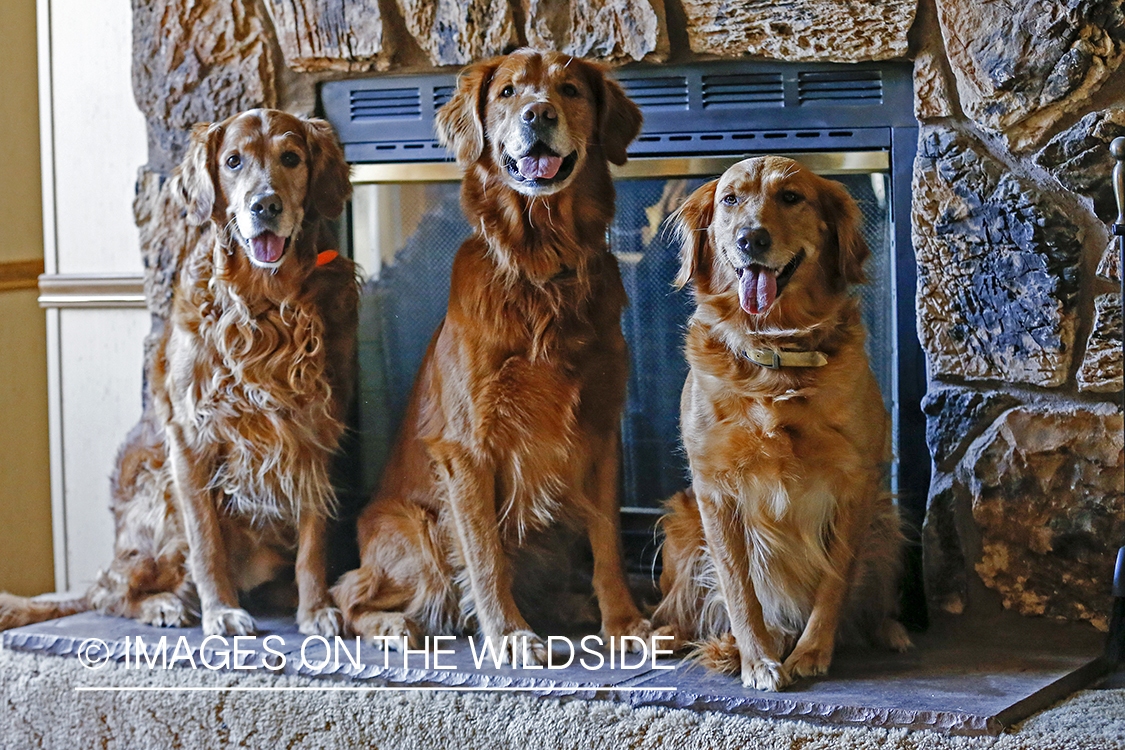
<point x="851" y="123"/>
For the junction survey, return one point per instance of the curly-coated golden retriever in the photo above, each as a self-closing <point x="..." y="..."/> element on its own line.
<point x="214" y="493"/>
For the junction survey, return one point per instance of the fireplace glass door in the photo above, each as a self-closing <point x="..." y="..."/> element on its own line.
<point x="405" y="225"/>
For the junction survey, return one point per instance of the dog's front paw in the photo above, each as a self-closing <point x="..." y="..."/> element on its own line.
<point x="327" y="621"/>
<point x="632" y="635"/>
<point x="892" y="636"/>
<point x="228" y="621"/>
<point x="388" y="630"/>
<point x="668" y="638"/>
<point x="809" y="661"/>
<point x="164" y="610"/>
<point x="764" y="674"/>
<point x="519" y="648"/>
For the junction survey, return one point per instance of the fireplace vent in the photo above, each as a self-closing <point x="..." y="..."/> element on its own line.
<point x="840" y="87"/>
<point x="740" y="90"/>
<point x="383" y="104"/>
<point x="669" y="92"/>
<point x="732" y="106"/>
<point x="442" y="94"/>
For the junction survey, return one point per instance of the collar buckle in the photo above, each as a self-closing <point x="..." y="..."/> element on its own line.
<point x="772" y="359"/>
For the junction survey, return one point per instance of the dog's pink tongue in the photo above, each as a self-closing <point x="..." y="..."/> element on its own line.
<point x="539" y="167"/>
<point x="757" y="289"/>
<point x="267" y="247"/>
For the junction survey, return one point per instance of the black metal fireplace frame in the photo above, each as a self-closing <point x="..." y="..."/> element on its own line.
<point x="720" y="109"/>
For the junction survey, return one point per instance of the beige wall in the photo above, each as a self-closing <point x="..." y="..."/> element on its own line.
<point x="25" y="499"/>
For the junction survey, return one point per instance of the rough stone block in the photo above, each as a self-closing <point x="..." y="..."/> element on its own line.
<point x="1079" y="157"/>
<point x="330" y="34"/>
<point x="457" y="33"/>
<point x="955" y="416"/>
<point x="1047" y="493"/>
<point x="1022" y="67"/>
<point x="608" y="30"/>
<point x="935" y="93"/>
<point x="943" y="558"/>
<point x="826" y="30"/>
<point x="998" y="267"/>
<point x="1109" y="267"/>
<point x="165" y="235"/>
<point x="1101" y="367"/>
<point x="197" y="62"/>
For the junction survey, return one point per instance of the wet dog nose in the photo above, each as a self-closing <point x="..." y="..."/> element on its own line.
<point x="266" y="205"/>
<point x="753" y="240"/>
<point x="539" y="113"/>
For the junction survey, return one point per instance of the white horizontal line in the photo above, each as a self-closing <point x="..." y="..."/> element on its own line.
<point x="392" y="688"/>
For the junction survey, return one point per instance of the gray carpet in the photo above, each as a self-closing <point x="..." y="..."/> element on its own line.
<point x="42" y="710"/>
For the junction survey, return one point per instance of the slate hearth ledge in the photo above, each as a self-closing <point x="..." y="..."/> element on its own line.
<point x="963" y="678"/>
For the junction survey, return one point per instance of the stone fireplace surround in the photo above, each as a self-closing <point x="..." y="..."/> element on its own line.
<point x="1017" y="310"/>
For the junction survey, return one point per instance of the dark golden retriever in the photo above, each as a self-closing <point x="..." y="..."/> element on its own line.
<point x="214" y="493"/>
<point x="788" y="532"/>
<point x="513" y="424"/>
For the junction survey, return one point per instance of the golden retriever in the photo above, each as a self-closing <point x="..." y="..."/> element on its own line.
<point x="251" y="377"/>
<point x="788" y="532"/>
<point x="513" y="424"/>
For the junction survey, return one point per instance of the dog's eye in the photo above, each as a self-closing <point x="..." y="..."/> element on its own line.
<point x="507" y="91"/>
<point x="234" y="161"/>
<point x="290" y="159"/>
<point x="569" y="89"/>
<point x="730" y="199"/>
<point x="790" y="197"/>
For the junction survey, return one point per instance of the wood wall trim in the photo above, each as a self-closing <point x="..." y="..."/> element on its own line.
<point x="20" y="274"/>
<point x="92" y="290"/>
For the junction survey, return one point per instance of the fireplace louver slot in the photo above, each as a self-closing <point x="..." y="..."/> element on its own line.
<point x="385" y="104"/>
<point x="840" y="87"/>
<point x="442" y="94"/>
<point x="669" y="92"/>
<point x="732" y="91"/>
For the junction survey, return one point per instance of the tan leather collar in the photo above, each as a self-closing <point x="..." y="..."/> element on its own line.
<point x="775" y="360"/>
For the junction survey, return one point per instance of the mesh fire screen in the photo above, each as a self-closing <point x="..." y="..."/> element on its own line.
<point x="405" y="235"/>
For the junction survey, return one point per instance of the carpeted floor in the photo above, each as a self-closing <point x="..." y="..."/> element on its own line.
<point x="41" y="709"/>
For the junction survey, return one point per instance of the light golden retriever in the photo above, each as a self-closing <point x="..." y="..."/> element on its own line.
<point x="788" y="534"/>
<point x="513" y="424"/>
<point x="214" y="493"/>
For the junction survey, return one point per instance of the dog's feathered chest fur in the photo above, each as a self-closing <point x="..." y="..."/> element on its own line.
<point x="535" y="309"/>
<point x="243" y="376"/>
<point x="551" y="352"/>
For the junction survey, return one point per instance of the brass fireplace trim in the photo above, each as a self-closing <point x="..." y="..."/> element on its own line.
<point x="821" y="162"/>
<point x="91" y="290"/>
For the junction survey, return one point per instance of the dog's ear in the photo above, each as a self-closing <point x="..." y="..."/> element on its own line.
<point x="691" y="222"/>
<point x="196" y="179"/>
<point x="329" y="174"/>
<point x="842" y="216"/>
<point x="619" y="119"/>
<point x="460" y="121"/>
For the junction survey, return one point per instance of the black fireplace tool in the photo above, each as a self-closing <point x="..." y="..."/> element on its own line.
<point x="1115" y="642"/>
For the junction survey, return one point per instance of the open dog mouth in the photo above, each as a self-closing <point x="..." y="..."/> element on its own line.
<point x="540" y="166"/>
<point x="759" y="287"/>
<point x="267" y="247"/>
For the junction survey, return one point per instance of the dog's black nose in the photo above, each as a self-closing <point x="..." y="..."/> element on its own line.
<point x="266" y="205"/>
<point x="753" y="240"/>
<point x="539" y="113"/>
